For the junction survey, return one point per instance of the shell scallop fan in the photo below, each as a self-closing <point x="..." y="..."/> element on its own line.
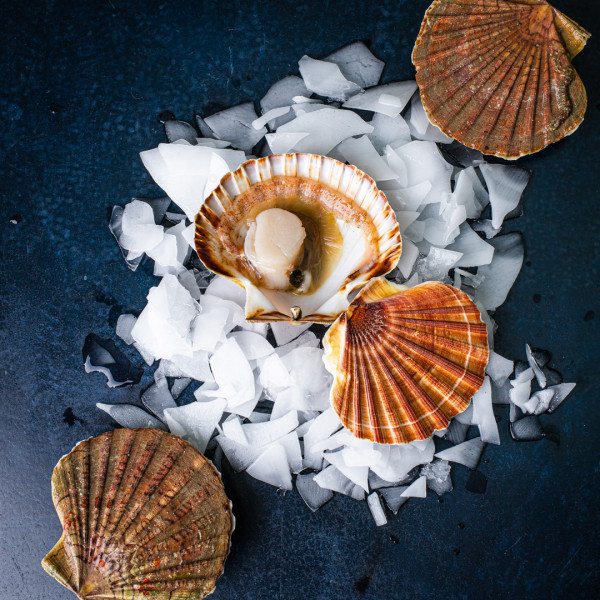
<point x="405" y="361"/>
<point x="144" y="515"/>
<point x="496" y="74"/>
<point x="351" y="234"/>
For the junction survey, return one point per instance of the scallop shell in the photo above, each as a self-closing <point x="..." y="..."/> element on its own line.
<point x="496" y="74"/>
<point x="144" y="515"/>
<point x="319" y="179"/>
<point x="405" y="361"/>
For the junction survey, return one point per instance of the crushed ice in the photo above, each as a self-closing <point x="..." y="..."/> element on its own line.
<point x="261" y="392"/>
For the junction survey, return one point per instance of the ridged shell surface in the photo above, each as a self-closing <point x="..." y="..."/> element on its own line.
<point x="405" y="361"/>
<point x="318" y="179"/>
<point x="496" y="74"/>
<point x="144" y="515"/>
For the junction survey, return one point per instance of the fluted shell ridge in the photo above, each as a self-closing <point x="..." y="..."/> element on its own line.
<point x="496" y="74"/>
<point x="341" y="187"/>
<point x="405" y="361"/>
<point x="144" y="515"/>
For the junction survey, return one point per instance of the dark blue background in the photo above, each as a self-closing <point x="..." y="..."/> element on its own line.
<point x="82" y="84"/>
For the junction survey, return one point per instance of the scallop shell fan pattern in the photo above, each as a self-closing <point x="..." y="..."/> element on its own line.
<point x="496" y="74"/>
<point x="405" y="361"/>
<point x="144" y="515"/>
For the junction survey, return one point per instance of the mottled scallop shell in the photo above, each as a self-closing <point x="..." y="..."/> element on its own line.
<point x="316" y="188"/>
<point x="144" y="515"/>
<point x="405" y="361"/>
<point x="496" y="74"/>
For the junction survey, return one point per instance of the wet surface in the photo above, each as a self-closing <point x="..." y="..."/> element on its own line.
<point x="83" y="84"/>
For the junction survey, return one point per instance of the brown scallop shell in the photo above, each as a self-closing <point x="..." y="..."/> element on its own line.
<point x="405" y="361"/>
<point x="144" y="515"/>
<point x="496" y="74"/>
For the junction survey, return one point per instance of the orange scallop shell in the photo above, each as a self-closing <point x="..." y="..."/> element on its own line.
<point x="496" y="74"/>
<point x="405" y="361"/>
<point x="144" y="515"/>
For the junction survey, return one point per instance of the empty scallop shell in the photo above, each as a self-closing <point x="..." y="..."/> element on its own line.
<point x="144" y="515"/>
<point x="496" y="74"/>
<point x="405" y="361"/>
<point x="334" y="201"/>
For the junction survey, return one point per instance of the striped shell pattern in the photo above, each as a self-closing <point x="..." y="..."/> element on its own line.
<point x="496" y="74"/>
<point x="405" y="361"/>
<point x="144" y="515"/>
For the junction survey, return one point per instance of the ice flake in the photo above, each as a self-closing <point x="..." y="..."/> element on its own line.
<point x="305" y="340"/>
<point x="163" y="327"/>
<point x="539" y="402"/>
<point x="376" y="509"/>
<point x="505" y="184"/>
<point x="417" y="489"/>
<point x="180" y="130"/>
<point x="125" y="324"/>
<point x="539" y="374"/>
<point x="209" y="328"/>
<point x="179" y="386"/>
<point x="326" y="79"/>
<point x="561" y="391"/>
<point x="483" y="413"/>
<point x="189" y="173"/>
<point x="475" y="251"/>
<point x="195" y="422"/>
<point x="139" y="232"/>
<point x="371" y="99"/>
<point x="239" y="455"/>
<point x="253" y="345"/>
<point x="130" y="416"/>
<point x="499" y="368"/>
<point x="157" y="398"/>
<point x="308" y="373"/>
<point x="468" y="453"/>
<point x="438" y="476"/>
<point x="270" y="116"/>
<point x="272" y="468"/>
<point x="233" y="373"/>
<point x="464" y="194"/>
<point x="331" y="479"/>
<point x="293" y="453"/>
<point x="457" y="432"/>
<point x="282" y="93"/>
<point x="286" y="332"/>
<point x="232" y="428"/>
<point x="274" y="376"/>
<point x="394" y="497"/>
<point x="420" y="126"/>
<point x="326" y="127"/>
<point x="361" y="153"/>
<point x="358" y="475"/>
<point x="312" y="493"/>
<point x="502" y="272"/>
<point x="397" y="461"/>
<point x="282" y="142"/>
<point x="527" y="429"/>
<point x="357" y="64"/>
<point x="388" y="130"/>
<point x="436" y="265"/>
<point x="323" y="426"/>
<point x="519" y="395"/>
<point x="261" y="434"/>
<point x="408" y="258"/>
<point x="235" y="125"/>
<point x="103" y="356"/>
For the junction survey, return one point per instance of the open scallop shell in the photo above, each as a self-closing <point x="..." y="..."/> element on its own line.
<point x="295" y="182"/>
<point x="405" y="361"/>
<point x="144" y="516"/>
<point x="496" y="74"/>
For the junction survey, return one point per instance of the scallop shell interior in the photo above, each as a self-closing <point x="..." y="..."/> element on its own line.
<point x="144" y="515"/>
<point x="352" y="233"/>
<point x="405" y="361"/>
<point x="496" y="74"/>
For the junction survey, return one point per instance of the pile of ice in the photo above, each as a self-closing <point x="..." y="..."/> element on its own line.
<point x="261" y="391"/>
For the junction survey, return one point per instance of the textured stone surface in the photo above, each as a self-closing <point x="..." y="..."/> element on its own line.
<point x="82" y="85"/>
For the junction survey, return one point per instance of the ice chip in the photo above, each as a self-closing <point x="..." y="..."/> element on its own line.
<point x="272" y="468"/>
<point x="125" y="324"/>
<point x="483" y="413"/>
<point x="505" y="184"/>
<point x="499" y="368"/>
<point x="371" y="99"/>
<point x="376" y="509"/>
<point x="253" y="345"/>
<point x="312" y="493"/>
<point x="233" y="373"/>
<point x="195" y="422"/>
<point x="361" y="153"/>
<point x="475" y="251"/>
<point x="157" y="398"/>
<point x="261" y="434"/>
<point x="282" y="93"/>
<point x="539" y="374"/>
<point x="130" y="416"/>
<point x="438" y="476"/>
<point x="357" y="64"/>
<point x="468" y="453"/>
<point x="394" y="497"/>
<point x="527" y="429"/>
<point x="326" y="127"/>
<point x="417" y="489"/>
<point x="326" y="79"/>
<point x="227" y="290"/>
<point x="180" y="130"/>
<point x="235" y="125"/>
<point x="209" y="328"/>
<point x="388" y="130"/>
<point x="561" y="391"/>
<point x="286" y="332"/>
<point x="331" y="479"/>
